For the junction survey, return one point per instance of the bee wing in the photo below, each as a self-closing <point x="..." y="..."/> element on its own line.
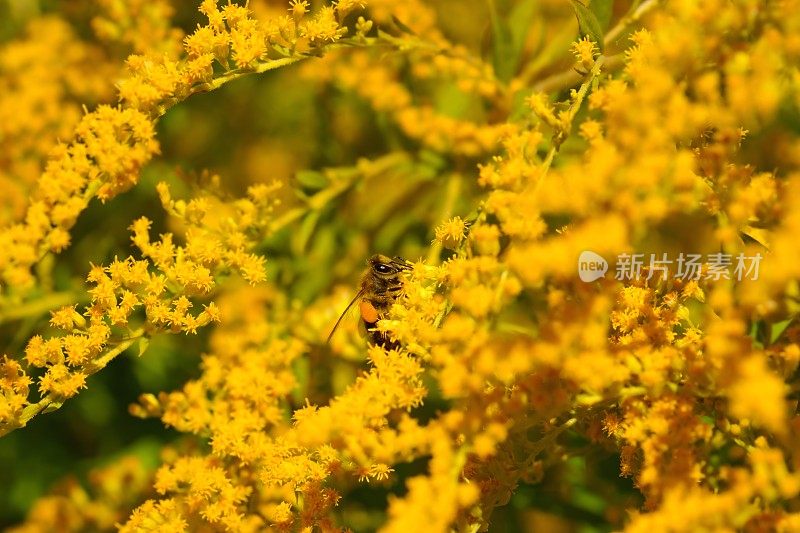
<point x="346" y="309"/>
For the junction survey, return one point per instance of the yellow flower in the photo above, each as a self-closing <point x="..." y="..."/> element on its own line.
<point x="585" y="51"/>
<point x="298" y="8"/>
<point x="451" y="233"/>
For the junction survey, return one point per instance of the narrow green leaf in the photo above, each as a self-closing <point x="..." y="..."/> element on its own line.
<point x="588" y="25"/>
<point x="301" y="237"/>
<point x="503" y="56"/>
<point x="52" y="406"/>
<point x="401" y="25"/>
<point x="310" y="179"/>
<point x="519" y="22"/>
<point x="778" y="328"/>
<point x="603" y="10"/>
<point x="144" y="342"/>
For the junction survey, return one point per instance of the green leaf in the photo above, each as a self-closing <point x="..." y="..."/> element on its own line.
<point x="778" y="328"/>
<point x="401" y="25"/>
<point x="759" y="332"/>
<point x="144" y="342"/>
<point x="54" y="405"/>
<point x="550" y="50"/>
<point x="588" y="25"/>
<point x="519" y="22"/>
<point x="301" y="237"/>
<point x="504" y="60"/>
<point x="312" y="180"/>
<point x="603" y="10"/>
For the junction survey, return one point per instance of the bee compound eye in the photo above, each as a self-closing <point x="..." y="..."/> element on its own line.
<point x="382" y="268"/>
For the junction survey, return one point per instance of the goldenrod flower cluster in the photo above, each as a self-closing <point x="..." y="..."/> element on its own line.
<point x="492" y="147"/>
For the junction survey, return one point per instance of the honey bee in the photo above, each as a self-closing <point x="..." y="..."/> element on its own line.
<point x="380" y="285"/>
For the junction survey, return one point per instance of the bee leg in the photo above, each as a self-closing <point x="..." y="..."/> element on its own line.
<point x="379" y="338"/>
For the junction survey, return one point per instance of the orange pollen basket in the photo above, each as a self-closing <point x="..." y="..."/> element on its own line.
<point x="368" y="312"/>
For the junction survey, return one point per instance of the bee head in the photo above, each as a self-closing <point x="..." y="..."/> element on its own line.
<point x="386" y="266"/>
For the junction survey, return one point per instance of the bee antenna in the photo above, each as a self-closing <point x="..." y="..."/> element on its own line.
<point x="346" y="309"/>
<point x="401" y="263"/>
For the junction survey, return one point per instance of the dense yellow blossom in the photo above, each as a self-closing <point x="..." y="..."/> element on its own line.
<point x="41" y="92"/>
<point x="499" y="378"/>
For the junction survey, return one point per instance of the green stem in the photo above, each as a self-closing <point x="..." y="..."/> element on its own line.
<point x="566" y="124"/>
<point x="569" y="77"/>
<point x="627" y="21"/>
<point x="343" y="180"/>
<point x="52" y="402"/>
<point x="37" y="307"/>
